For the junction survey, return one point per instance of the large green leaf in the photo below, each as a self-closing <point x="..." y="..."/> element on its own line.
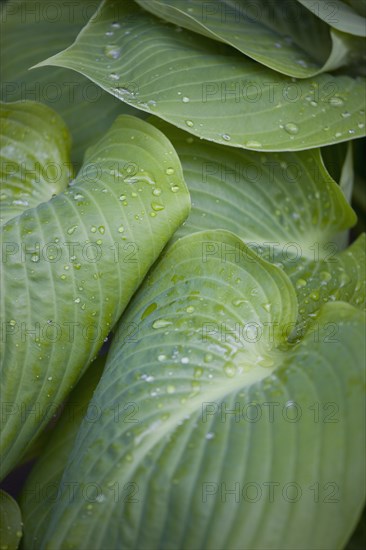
<point x="223" y="404"/>
<point x="208" y="88"/>
<point x="10" y="522"/>
<point x="284" y="205"/>
<point x="40" y="491"/>
<point x="79" y="258"/>
<point x="31" y="31"/>
<point x="34" y="156"/>
<point x="284" y="37"/>
<point x="339" y="15"/>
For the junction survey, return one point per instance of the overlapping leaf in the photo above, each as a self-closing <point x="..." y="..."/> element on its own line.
<point x="286" y="206"/>
<point x="340" y="15"/>
<point x="209" y="89"/>
<point x="34" y="156"/>
<point x="10" y="522"/>
<point x="41" y="488"/>
<point x="285" y="37"/>
<point x="202" y="383"/>
<point x="31" y="31"/>
<point x="71" y="265"/>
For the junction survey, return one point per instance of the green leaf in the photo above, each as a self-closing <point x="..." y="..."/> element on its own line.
<point x="40" y="491"/>
<point x="286" y="206"/>
<point x="80" y="258"/>
<point x="339" y="15"/>
<point x="34" y="156"/>
<point x="31" y="31"/>
<point x="287" y="38"/>
<point x="10" y="522"/>
<point x="202" y="383"/>
<point x="209" y="89"/>
<point x="358" y="5"/>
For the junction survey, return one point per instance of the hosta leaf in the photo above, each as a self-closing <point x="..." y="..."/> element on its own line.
<point x="339" y="15"/>
<point x="79" y="258"/>
<point x="10" y="522"/>
<point x="31" y="31"/>
<point x="209" y="89"/>
<point x="338" y="276"/>
<point x="358" y="5"/>
<point x="284" y="205"/>
<point x="287" y="38"/>
<point x="34" y="156"/>
<point x="202" y="382"/>
<point x="40" y="491"/>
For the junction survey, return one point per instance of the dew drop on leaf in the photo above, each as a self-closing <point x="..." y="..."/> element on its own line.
<point x="336" y="101"/>
<point x="291" y="128"/>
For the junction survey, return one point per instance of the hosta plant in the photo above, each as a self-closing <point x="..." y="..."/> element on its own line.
<point x="183" y="274"/>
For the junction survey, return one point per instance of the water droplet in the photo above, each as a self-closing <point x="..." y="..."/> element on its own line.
<point x="291" y="128"/>
<point x="253" y="143"/>
<point x="190" y="309"/>
<point x="157" y="207"/>
<point x="93" y="229"/>
<point x="300" y="283"/>
<point x="156" y="192"/>
<point x="170" y="389"/>
<point x="343" y="279"/>
<point x="49" y="378"/>
<point x="210" y="435"/>
<point x="71" y="229"/>
<point x="150" y="309"/>
<point x="174" y="188"/>
<point x="169" y="171"/>
<point x="208" y="358"/>
<point x="336" y="101"/>
<point x="161" y="323"/>
<point x="162" y="357"/>
<point x="112" y="51"/>
<point x="189" y="123"/>
<point x="239" y="302"/>
<point x="267" y="307"/>
<point x="345" y="114"/>
<point x="265" y="362"/>
<point x="226" y="137"/>
<point x="114" y="76"/>
<point x="12" y="322"/>
<point x="101" y="229"/>
<point x="35" y="258"/>
<point x="325" y="276"/>
<point x="230" y="370"/>
<point x="361" y="125"/>
<point x="314" y="295"/>
<point x="121" y="229"/>
<point x="122" y="197"/>
<point x="185" y="99"/>
<point x="115" y="25"/>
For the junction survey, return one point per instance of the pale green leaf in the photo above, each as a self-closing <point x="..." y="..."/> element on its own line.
<point x="10" y="522"/>
<point x="284" y="37"/>
<point x="210" y="89"/>
<point x="339" y="15"/>
<point x="34" y="156"/>
<point x="37" y="497"/>
<point x="286" y="206"/>
<point x="203" y="384"/>
<point x="70" y="266"/>
<point x="31" y="31"/>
